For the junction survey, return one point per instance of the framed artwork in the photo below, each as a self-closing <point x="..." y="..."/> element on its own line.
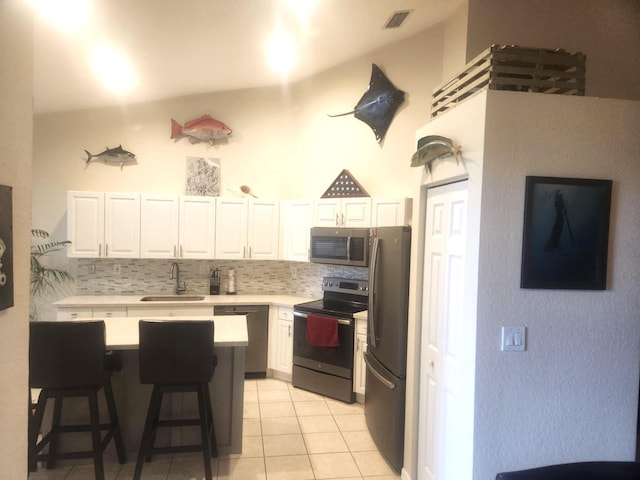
<point x="6" y="248"/>
<point x="566" y="233"/>
<point x="203" y="176"/>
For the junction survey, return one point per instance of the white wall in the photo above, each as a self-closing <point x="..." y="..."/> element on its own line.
<point x="608" y="32"/>
<point x="15" y="170"/>
<point x="283" y="144"/>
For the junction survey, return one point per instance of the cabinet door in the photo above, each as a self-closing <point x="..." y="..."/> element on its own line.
<point x="263" y="229"/>
<point x="231" y="228"/>
<point x="173" y="311"/>
<point x="390" y="212"/>
<point x="159" y="226"/>
<point x="356" y="212"/>
<point x="197" y="227"/>
<point x="327" y="212"/>
<point x="297" y="218"/>
<point x="359" y="367"/>
<point x="122" y="225"/>
<point x="66" y="314"/>
<point x="108" y="312"/>
<point x="85" y="224"/>
<point x="284" y="338"/>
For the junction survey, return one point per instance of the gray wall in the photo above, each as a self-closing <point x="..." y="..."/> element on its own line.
<point x="607" y="31"/>
<point x="573" y="395"/>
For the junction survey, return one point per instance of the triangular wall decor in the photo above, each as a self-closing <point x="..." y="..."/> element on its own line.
<point x="345" y="186"/>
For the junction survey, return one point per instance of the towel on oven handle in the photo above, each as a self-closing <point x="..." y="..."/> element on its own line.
<point x="322" y="331"/>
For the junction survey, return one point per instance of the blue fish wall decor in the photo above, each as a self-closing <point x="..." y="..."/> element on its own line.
<point x="116" y="156"/>
<point x="379" y="103"/>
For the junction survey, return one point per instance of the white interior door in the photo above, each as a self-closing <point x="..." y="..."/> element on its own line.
<point x="445" y="432"/>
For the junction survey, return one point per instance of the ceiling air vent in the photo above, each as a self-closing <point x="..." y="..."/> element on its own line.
<point x="397" y="18"/>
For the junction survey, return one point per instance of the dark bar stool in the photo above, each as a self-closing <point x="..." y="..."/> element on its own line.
<point x="177" y="356"/>
<point x="69" y="359"/>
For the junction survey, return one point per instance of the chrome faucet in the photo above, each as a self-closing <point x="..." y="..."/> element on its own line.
<point x="175" y="274"/>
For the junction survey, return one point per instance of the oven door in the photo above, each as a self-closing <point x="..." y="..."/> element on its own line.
<point x="331" y="360"/>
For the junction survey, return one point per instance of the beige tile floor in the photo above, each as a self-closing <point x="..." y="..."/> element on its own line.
<point x="289" y="434"/>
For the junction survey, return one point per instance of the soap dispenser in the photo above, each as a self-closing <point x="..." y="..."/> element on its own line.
<point x="214" y="283"/>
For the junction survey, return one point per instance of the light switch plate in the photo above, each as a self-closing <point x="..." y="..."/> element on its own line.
<point x="514" y="339"/>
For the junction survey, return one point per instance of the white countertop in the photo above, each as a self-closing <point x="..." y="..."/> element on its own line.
<point x="122" y="332"/>
<point x="135" y="300"/>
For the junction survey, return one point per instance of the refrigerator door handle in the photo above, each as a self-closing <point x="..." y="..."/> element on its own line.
<point x="372" y="369"/>
<point x="371" y="324"/>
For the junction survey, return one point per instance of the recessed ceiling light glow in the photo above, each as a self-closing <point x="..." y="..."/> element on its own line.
<point x="64" y="14"/>
<point x="281" y="52"/>
<point x="113" y="69"/>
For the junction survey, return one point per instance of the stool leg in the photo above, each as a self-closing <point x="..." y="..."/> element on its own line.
<point x="149" y="428"/>
<point x="214" y="443"/>
<point x="113" y="416"/>
<point x="204" y="429"/>
<point x="55" y="423"/>
<point x="96" y="437"/>
<point x="35" y="424"/>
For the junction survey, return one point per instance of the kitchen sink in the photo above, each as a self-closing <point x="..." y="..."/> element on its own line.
<point x="172" y="298"/>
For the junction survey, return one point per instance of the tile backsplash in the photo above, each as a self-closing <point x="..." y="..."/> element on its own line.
<point x="150" y="276"/>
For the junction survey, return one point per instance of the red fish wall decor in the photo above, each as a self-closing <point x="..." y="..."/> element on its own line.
<point x="202" y="129"/>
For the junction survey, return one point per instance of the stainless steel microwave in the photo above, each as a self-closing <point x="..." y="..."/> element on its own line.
<point x="340" y="246"/>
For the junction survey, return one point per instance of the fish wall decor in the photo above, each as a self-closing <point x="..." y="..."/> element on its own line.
<point x="117" y="156"/>
<point x="379" y="103"/>
<point x="431" y="148"/>
<point x="202" y="129"/>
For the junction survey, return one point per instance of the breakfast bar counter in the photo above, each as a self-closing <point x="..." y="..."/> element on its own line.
<point x="226" y="387"/>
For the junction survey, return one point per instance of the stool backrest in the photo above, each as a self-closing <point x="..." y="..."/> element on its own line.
<point x="598" y="470"/>
<point x="66" y="354"/>
<point x="176" y="351"/>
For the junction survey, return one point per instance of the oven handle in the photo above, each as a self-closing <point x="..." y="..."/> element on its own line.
<point x="340" y="320"/>
<point x="349" y="248"/>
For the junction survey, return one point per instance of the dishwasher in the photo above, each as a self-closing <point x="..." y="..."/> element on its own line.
<point x="258" y="333"/>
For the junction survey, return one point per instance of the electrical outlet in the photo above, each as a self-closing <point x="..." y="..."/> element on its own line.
<point x="293" y="271"/>
<point x="204" y="269"/>
<point x="92" y="269"/>
<point x="117" y="269"/>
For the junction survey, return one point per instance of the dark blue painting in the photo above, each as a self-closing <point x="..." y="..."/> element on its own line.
<point x="566" y="233"/>
<point x="6" y="248"/>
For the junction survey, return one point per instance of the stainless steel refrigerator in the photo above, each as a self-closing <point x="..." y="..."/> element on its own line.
<point x="386" y="355"/>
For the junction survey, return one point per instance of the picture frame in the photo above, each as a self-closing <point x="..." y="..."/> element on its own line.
<point x="566" y="233"/>
<point x="6" y="247"/>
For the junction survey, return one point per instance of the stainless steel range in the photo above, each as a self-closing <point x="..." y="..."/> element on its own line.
<point x="323" y="338"/>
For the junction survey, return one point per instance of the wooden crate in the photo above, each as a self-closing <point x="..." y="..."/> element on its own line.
<point x="518" y="69"/>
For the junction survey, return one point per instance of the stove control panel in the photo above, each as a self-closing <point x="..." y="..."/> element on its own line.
<point x="345" y="285"/>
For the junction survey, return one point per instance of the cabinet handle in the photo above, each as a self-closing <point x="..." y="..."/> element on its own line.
<point x="106" y="249"/>
<point x="337" y="222"/>
<point x="342" y="219"/>
<point x="249" y="252"/>
<point x="100" y="250"/>
<point x="289" y="330"/>
<point x="181" y="252"/>
<point x="244" y="252"/>
<point x="174" y="250"/>
<point x="74" y="315"/>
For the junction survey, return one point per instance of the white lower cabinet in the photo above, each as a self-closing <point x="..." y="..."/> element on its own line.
<point x="359" y="367"/>
<point x="281" y="343"/>
<point x="65" y="314"/>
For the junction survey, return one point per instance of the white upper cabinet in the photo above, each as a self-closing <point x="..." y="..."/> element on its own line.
<point x="390" y="212"/>
<point x="197" y="227"/>
<point x="159" y="216"/>
<point x="102" y="225"/>
<point x="297" y="219"/>
<point x="343" y="212"/>
<point x="177" y="226"/>
<point x="247" y="228"/>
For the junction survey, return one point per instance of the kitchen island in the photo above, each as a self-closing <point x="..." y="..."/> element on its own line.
<point x="226" y="388"/>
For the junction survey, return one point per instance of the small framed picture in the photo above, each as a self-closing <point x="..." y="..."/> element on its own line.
<point x="6" y="247"/>
<point x="566" y="233"/>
